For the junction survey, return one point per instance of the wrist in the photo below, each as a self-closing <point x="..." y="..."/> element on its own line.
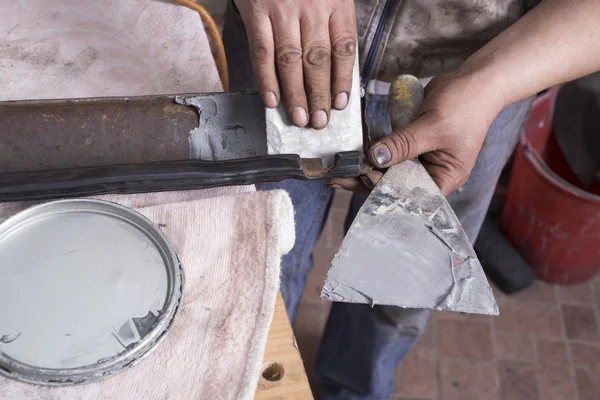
<point x="487" y="82"/>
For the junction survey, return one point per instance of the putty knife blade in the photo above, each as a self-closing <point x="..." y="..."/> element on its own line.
<point x="407" y="248"/>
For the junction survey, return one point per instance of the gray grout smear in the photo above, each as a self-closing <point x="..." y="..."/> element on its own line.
<point x="237" y="125"/>
<point x="407" y="248"/>
<point x="230" y="126"/>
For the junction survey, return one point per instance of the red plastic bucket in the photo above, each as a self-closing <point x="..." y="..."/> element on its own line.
<point x="553" y="223"/>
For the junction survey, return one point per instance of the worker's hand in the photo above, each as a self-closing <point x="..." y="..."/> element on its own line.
<point x="312" y="45"/>
<point x="446" y="135"/>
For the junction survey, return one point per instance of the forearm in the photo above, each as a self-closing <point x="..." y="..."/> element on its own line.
<point x="559" y="40"/>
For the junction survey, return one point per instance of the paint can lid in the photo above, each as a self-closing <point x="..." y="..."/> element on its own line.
<point x="87" y="288"/>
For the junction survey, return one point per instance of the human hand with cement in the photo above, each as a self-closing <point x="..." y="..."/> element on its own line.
<point x="311" y="45"/>
<point x="444" y="127"/>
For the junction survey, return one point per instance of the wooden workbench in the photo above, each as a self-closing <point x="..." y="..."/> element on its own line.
<point x="283" y="375"/>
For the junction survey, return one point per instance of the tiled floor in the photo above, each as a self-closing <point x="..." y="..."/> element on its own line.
<point x="545" y="345"/>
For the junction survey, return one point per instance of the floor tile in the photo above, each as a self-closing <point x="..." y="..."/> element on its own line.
<point x="557" y="387"/>
<point x="499" y="295"/>
<point x="333" y="232"/>
<point x="312" y="290"/>
<point x="539" y="292"/>
<point x="464" y="316"/>
<point x="580" y="323"/>
<point x="588" y="385"/>
<point x="467" y="380"/>
<point x="322" y="256"/>
<point x="513" y="347"/>
<point x="517" y="380"/>
<point x="429" y="340"/>
<point x="416" y="374"/>
<point x="469" y="340"/>
<point x="308" y="329"/>
<point x="585" y="355"/>
<point x="552" y="356"/>
<point x="310" y="322"/>
<point x="341" y="200"/>
<point x="554" y="371"/>
<point x="311" y="317"/>
<point x="536" y="320"/>
<point x="575" y="294"/>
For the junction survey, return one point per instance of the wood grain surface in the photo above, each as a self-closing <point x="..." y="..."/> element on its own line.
<point x="283" y="375"/>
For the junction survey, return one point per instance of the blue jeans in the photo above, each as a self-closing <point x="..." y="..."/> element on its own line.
<point x="361" y="346"/>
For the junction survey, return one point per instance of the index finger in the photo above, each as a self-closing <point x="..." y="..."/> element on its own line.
<point x="262" y="55"/>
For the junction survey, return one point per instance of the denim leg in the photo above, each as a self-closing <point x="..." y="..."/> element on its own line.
<point x="311" y="200"/>
<point x="362" y="346"/>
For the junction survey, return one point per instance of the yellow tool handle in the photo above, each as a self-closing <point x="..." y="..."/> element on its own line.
<point x="405" y="99"/>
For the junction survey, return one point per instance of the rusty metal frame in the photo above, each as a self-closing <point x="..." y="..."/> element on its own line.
<point x="82" y="147"/>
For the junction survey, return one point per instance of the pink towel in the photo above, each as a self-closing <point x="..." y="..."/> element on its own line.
<point x="230" y="247"/>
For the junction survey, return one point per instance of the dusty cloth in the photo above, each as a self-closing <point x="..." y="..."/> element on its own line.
<point x="83" y="48"/>
<point x="230" y="248"/>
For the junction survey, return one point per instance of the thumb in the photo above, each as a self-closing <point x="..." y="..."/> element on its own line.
<point x="409" y="142"/>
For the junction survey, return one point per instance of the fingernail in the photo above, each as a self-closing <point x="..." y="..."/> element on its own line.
<point x="336" y="186"/>
<point x="319" y="119"/>
<point x="382" y="154"/>
<point x="366" y="181"/>
<point x="340" y="101"/>
<point x="270" y="100"/>
<point x="299" y="116"/>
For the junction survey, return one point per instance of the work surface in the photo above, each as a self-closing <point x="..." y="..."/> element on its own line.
<point x="283" y="374"/>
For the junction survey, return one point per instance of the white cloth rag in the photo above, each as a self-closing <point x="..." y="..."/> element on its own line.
<point x="82" y="48"/>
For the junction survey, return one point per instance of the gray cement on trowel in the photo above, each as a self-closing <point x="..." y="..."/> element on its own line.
<point x="76" y="288"/>
<point x="407" y="248"/>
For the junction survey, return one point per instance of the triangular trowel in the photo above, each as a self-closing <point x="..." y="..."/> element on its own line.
<point x="406" y="247"/>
